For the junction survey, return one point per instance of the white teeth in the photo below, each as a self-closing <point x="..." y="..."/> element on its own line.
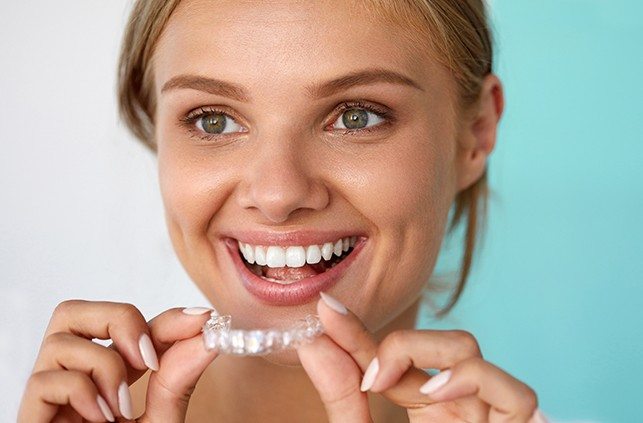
<point x="339" y="245"/>
<point x="313" y="254"/>
<point x="295" y="256"/>
<point x="327" y="251"/>
<point x="249" y="253"/>
<point x="260" y="255"/>
<point x="345" y="244"/>
<point x="275" y="256"/>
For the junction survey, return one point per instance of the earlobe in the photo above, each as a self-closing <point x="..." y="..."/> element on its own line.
<point x="479" y="137"/>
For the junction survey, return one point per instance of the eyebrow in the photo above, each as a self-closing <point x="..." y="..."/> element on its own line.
<point x="208" y="85"/>
<point x="363" y="77"/>
<point x="315" y="91"/>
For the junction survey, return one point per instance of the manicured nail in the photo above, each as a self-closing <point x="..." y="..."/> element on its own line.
<point x="148" y="353"/>
<point x="104" y="408"/>
<point x="195" y="311"/>
<point x="538" y="417"/>
<point x="370" y="374"/>
<point x="333" y="303"/>
<point x="125" y="401"/>
<point x="436" y="382"/>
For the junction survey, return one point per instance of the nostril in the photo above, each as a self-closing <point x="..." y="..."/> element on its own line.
<point x="279" y="191"/>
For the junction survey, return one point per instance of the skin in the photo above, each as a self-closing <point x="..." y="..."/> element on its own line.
<point x="288" y="172"/>
<point x="288" y="167"/>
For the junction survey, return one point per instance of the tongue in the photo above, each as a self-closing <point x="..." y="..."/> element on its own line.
<point x="293" y="273"/>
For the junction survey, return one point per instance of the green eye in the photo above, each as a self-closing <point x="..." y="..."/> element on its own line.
<point x="357" y="118"/>
<point x="213" y="124"/>
<point x="217" y="123"/>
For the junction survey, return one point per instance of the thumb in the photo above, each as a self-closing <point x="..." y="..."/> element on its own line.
<point x="169" y="389"/>
<point x="337" y="379"/>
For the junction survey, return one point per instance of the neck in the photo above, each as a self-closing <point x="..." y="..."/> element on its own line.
<point x="255" y="389"/>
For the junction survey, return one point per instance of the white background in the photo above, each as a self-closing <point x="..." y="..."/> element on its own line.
<point x="81" y="214"/>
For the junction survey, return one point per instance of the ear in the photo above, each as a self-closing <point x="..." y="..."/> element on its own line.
<point x="478" y="135"/>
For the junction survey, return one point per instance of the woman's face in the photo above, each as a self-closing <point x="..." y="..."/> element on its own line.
<point x="297" y="124"/>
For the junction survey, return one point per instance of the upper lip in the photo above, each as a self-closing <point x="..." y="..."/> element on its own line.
<point x="285" y="239"/>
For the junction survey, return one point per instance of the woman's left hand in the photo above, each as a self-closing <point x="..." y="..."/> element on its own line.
<point x="346" y="361"/>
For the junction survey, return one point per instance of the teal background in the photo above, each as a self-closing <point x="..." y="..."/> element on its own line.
<point x="556" y="294"/>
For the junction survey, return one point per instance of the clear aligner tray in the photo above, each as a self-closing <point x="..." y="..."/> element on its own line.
<point x="217" y="334"/>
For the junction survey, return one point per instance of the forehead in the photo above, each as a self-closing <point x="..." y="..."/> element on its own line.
<point x="292" y="42"/>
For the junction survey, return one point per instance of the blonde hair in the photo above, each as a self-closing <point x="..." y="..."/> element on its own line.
<point x="457" y="31"/>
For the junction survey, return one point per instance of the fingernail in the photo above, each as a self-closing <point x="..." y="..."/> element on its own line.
<point x="333" y="303"/>
<point x="148" y="353"/>
<point x="436" y="382"/>
<point x="195" y="311"/>
<point x="538" y="417"/>
<point x="370" y="374"/>
<point x="104" y="408"/>
<point x="125" y="401"/>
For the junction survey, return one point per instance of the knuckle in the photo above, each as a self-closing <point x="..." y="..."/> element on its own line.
<point x="63" y="308"/>
<point x="474" y="365"/>
<point x="114" y="361"/>
<point x="36" y="380"/>
<point x="54" y="341"/>
<point x="530" y="400"/>
<point x="182" y="398"/>
<point x="127" y="312"/>
<point x="395" y="341"/>
<point x="79" y="382"/>
<point x="467" y="341"/>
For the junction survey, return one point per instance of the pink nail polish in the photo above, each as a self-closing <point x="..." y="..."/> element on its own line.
<point x="104" y="408"/>
<point x="196" y="311"/>
<point x="125" y="401"/>
<point x="370" y="374"/>
<point x="333" y="303"/>
<point x="436" y="382"/>
<point x="147" y="352"/>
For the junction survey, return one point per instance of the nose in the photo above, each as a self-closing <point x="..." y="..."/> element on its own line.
<point x="280" y="180"/>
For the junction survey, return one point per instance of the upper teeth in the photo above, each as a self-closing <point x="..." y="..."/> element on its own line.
<point x="296" y="255"/>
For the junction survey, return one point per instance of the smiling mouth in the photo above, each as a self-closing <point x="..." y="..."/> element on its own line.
<point x="286" y="265"/>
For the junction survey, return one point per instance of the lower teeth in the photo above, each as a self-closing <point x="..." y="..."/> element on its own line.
<point x="284" y="282"/>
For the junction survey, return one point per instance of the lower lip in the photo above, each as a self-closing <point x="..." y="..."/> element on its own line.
<point x="295" y="293"/>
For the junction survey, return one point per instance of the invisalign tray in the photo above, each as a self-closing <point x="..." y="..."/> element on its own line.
<point x="217" y="334"/>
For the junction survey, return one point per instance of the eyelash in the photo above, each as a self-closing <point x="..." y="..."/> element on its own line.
<point x="385" y="114"/>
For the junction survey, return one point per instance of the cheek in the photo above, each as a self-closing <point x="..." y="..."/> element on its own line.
<point x="404" y="186"/>
<point x="406" y="194"/>
<point x="192" y="188"/>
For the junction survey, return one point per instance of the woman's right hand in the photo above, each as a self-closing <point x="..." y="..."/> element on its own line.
<point x="76" y="379"/>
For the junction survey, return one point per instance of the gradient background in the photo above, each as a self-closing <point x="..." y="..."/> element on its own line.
<point x="555" y="296"/>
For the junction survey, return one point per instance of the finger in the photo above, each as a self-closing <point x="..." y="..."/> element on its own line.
<point x="64" y="351"/>
<point x="121" y="322"/>
<point x="47" y="391"/>
<point x="169" y="389"/>
<point x="510" y="399"/>
<point x="423" y="349"/>
<point x="350" y="334"/>
<point x="175" y="324"/>
<point x="337" y="379"/>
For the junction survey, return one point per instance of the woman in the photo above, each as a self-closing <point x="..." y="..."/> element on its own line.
<point x="282" y="128"/>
